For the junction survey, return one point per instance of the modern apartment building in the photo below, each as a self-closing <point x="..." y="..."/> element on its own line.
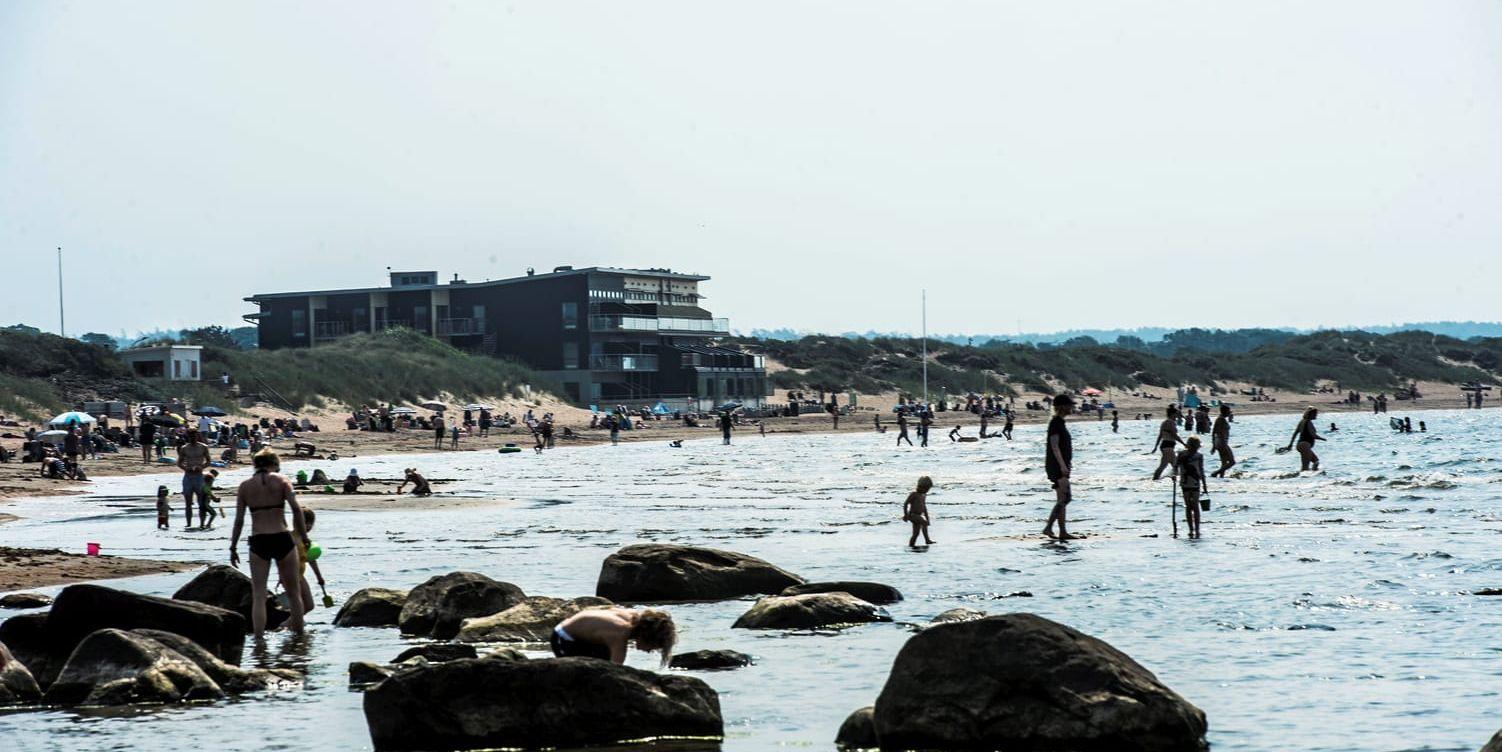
<point x="607" y="335"/>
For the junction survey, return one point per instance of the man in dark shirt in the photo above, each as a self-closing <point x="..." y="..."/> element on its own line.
<point x="1058" y="461"/>
<point x="71" y="444"/>
<point x="148" y="438"/>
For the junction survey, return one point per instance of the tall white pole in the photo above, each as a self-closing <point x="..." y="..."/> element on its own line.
<point x="925" y="346"/>
<point x="62" y="329"/>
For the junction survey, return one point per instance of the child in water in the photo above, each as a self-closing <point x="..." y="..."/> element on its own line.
<point x="303" y="562"/>
<point x="163" y="509"/>
<point x="915" y="510"/>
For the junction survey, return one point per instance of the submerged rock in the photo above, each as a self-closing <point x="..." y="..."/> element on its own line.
<point x="809" y="611"/>
<point x="365" y="673"/>
<point x="372" y="607"/>
<point x="650" y="572"/>
<point x="557" y="702"/>
<point x="531" y="620"/>
<point x="958" y="614"/>
<point x="1022" y="682"/>
<point x="230" y="589"/>
<point x="858" y="731"/>
<point x="17" y="685"/>
<point x="709" y="660"/>
<point x="437" y="652"/>
<point x="870" y="592"/>
<point x="115" y="667"/>
<point x="437" y="607"/>
<point x="25" y="600"/>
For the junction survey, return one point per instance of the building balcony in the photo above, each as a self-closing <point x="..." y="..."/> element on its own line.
<point x="655" y="324"/>
<point x="393" y="324"/>
<point x="623" y="362"/>
<point x="329" y="329"/>
<point x="460" y="327"/>
<point x="622" y="324"/>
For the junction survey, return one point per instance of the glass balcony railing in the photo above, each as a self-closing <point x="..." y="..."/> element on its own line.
<point x="651" y="324"/>
<point x="624" y="362"/>
<point x="461" y="326"/>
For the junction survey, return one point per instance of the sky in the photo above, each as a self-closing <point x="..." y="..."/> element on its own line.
<point x="1033" y="166"/>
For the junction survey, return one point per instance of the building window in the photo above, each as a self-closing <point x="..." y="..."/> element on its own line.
<point x="571" y="355"/>
<point x="193" y="370"/>
<point x="299" y="322"/>
<point x="177" y="369"/>
<point x="570" y="315"/>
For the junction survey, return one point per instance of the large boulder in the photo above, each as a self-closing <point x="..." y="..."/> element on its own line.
<point x="1495" y="745"/>
<point x="228" y="588"/>
<point x="115" y="667"/>
<point x="709" y="660"/>
<point x="437" y="652"/>
<point x="858" y="731"/>
<point x="25" y="600"/>
<point x="231" y="679"/>
<point x="809" y="611"/>
<point x="1022" y="682"/>
<point x="870" y="592"/>
<point x="372" y="607"/>
<point x="81" y="610"/>
<point x="557" y="702"/>
<point x="958" y="614"/>
<point x="26" y="637"/>
<point x="17" y="686"/>
<point x="366" y="673"/>
<point x="531" y="620"/>
<point x="437" y="607"/>
<point x="655" y="572"/>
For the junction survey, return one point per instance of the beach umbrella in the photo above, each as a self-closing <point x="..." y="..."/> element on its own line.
<point x="477" y="406"/>
<point x="435" y="406"/>
<point x="209" y="411"/>
<point x="729" y="406"/>
<point x="148" y="410"/>
<point x="1091" y="392"/>
<point x="52" y="437"/>
<point x="72" y="419"/>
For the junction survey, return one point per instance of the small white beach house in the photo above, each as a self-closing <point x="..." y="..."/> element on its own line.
<point x="167" y="362"/>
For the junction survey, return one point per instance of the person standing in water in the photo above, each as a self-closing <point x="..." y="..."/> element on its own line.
<point x="1305" y="434"/>
<point x="1220" y="441"/>
<point x="1058" y="464"/>
<point x="193" y="459"/>
<point x="1190" y="465"/>
<point x="1168" y="436"/>
<point x="264" y="495"/>
<point x="605" y="633"/>
<point x="1006" y="428"/>
<point x="437" y="431"/>
<point x="915" y="511"/>
<point x="1115" y="422"/>
<point x="902" y="429"/>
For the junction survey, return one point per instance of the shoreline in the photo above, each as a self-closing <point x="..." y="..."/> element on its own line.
<point x="29" y="568"/>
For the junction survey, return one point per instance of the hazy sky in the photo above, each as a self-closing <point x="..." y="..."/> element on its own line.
<point x="1043" y="164"/>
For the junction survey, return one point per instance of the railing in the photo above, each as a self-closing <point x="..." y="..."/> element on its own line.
<point x="329" y="329"/>
<point x="624" y="362"/>
<point x="670" y="324"/>
<point x="649" y="324"/>
<point x="452" y="327"/>
<point x="393" y="324"/>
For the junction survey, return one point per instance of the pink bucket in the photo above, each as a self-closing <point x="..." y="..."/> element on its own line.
<point x="93" y="549"/>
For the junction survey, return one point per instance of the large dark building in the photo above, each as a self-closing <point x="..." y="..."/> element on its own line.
<point x="607" y="335"/>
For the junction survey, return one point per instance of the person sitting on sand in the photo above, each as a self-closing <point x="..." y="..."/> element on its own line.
<point x="605" y="633"/>
<point x="1190" y="465"/>
<point x="915" y="511"/>
<point x="352" y="481"/>
<point x="1306" y="435"/>
<point x="1168" y="436"/>
<point x="264" y="495"/>
<point x="954" y="434"/>
<point x="420" y="485"/>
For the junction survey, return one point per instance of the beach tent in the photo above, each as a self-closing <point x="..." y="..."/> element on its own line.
<point x="1091" y="392"/>
<point x="1191" y="401"/>
<point x="72" y="419"/>
<point x="402" y="411"/>
<point x="661" y="408"/>
<point x="477" y="406"/>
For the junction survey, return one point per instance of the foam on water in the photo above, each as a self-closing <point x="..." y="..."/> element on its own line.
<point x="1321" y="611"/>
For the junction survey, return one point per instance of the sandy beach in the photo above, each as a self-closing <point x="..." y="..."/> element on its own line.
<point x="26" y="568"/>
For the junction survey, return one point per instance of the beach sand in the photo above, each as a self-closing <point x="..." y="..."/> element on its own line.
<point x="25" y="568"/>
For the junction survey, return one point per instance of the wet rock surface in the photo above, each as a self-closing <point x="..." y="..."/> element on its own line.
<point x="531" y="620"/>
<point x="870" y="592"/>
<point x="437" y="607"/>
<point x="372" y="607"/>
<point x="656" y="572"/>
<point x="810" y="611"/>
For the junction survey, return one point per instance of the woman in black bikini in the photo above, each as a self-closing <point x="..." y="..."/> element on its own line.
<point x="1168" y="437"/>
<point x="265" y="494"/>
<point x="1306" y="435"/>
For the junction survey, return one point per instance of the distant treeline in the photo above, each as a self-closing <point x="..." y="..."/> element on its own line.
<point x="1148" y="334"/>
<point x="1360" y="360"/>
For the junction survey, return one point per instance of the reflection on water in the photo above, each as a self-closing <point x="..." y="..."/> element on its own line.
<point x="1326" y="611"/>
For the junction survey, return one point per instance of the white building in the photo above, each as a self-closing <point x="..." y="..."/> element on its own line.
<point x="168" y="362"/>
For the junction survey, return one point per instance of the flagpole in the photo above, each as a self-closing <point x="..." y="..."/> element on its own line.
<point x="62" y="329"/>
<point x="925" y="346"/>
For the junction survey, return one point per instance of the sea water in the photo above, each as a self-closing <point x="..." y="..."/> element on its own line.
<point x="1328" y="611"/>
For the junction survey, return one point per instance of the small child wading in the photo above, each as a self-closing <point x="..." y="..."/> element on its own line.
<point x="915" y="510"/>
<point x="163" y="508"/>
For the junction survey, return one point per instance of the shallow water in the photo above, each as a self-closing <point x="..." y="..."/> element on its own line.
<point x="1319" y="612"/>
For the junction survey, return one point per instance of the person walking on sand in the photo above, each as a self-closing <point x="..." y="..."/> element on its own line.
<point x="193" y="459"/>
<point x="725" y="426"/>
<point x="148" y="438"/>
<point x="1168" y="437"/>
<point x="1305" y="434"/>
<point x="264" y="495"/>
<point x="902" y="429"/>
<point x="1058" y="464"/>
<point x="606" y="633"/>
<point x="915" y="511"/>
<point x="1220" y="441"/>
<point x="1190" y="465"/>
<point x="437" y="431"/>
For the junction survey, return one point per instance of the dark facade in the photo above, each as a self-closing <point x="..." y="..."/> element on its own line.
<point x="607" y="335"/>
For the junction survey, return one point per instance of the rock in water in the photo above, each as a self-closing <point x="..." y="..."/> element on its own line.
<point x="231" y="679"/>
<point x="437" y="607"/>
<point x="365" y="673"/>
<point x="228" y="588"/>
<point x="1495" y="745"/>
<point x="25" y="600"/>
<point x="958" y="614"/>
<point x="17" y="686"/>
<point x="115" y="667"/>
<point x="531" y="620"/>
<point x="26" y="637"/>
<point x="870" y="592"/>
<point x="372" y="607"/>
<point x="809" y="611"/>
<point x="438" y="652"/>
<point x="1022" y="682"/>
<point x="650" y="572"/>
<point x="710" y="660"/>
<point x="557" y="702"/>
<point x="858" y="731"/>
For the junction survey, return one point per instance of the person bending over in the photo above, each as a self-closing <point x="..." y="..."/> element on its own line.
<point x="605" y="633"/>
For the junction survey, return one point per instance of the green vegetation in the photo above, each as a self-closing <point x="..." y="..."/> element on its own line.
<point x="1353" y="360"/>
